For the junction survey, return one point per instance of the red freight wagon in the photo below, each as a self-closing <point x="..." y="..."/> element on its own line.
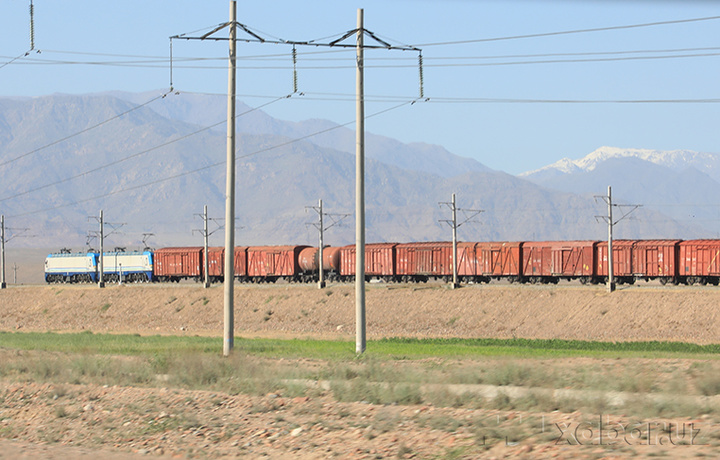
<point x="549" y="261"/>
<point x="499" y="260"/>
<point x="699" y="261"/>
<point x="468" y="265"/>
<point x="216" y="263"/>
<point x="622" y="260"/>
<point x="268" y="263"/>
<point x="241" y="263"/>
<point x="379" y="261"/>
<point x="420" y="261"/>
<point x="655" y="259"/>
<point x="174" y="264"/>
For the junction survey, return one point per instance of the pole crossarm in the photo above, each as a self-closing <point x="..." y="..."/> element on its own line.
<point x="622" y="207"/>
<point x="214" y="220"/>
<point x="16" y="232"/>
<point x="256" y="38"/>
<point x="336" y="218"/>
<point x="469" y="214"/>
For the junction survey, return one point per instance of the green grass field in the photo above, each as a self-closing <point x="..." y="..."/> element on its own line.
<point x="392" y="371"/>
<point x="392" y="348"/>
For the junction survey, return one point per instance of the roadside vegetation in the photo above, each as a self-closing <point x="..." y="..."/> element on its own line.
<point x="651" y="378"/>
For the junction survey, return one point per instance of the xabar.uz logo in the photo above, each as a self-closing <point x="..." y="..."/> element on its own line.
<point x="616" y="433"/>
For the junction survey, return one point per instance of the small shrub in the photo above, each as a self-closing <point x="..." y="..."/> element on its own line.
<point x="105" y="307"/>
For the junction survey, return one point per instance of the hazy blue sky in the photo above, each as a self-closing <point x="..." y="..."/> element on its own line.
<point x="513" y="104"/>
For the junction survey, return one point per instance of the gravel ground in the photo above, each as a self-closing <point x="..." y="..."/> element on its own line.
<point x="45" y="420"/>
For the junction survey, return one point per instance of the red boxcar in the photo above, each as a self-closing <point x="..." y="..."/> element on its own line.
<point x="420" y="261"/>
<point x="622" y="260"/>
<point x="241" y="262"/>
<point x="499" y="260"/>
<point x="269" y="263"/>
<point x="549" y="261"/>
<point x="174" y="264"/>
<point x="699" y="261"/>
<point x="379" y="261"/>
<point x="216" y="263"/>
<point x="468" y="264"/>
<point x="655" y="259"/>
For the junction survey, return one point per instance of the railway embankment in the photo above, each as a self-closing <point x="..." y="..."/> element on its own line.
<point x="642" y="313"/>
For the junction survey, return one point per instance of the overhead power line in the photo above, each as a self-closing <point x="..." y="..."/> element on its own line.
<point x="569" y="32"/>
<point x="135" y="155"/>
<point x="207" y="167"/>
<point x="619" y="56"/>
<point x="90" y="128"/>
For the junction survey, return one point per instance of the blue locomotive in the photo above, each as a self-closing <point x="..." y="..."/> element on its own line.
<point x="67" y="267"/>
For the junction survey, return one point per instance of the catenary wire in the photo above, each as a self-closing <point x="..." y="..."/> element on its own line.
<point x="135" y="155"/>
<point x="569" y="32"/>
<point x="214" y="165"/>
<point x="90" y="128"/>
<point x="163" y="64"/>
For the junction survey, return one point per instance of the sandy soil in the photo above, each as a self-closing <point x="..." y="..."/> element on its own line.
<point x="87" y="421"/>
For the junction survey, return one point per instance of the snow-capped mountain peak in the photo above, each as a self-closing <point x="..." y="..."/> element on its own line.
<point x="708" y="163"/>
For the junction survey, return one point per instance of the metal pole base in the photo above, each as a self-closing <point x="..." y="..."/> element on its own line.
<point x="207" y="285"/>
<point x="101" y="284"/>
<point x="3" y="285"/>
<point x="321" y="284"/>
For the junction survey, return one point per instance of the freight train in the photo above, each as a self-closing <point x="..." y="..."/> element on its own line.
<point x="669" y="261"/>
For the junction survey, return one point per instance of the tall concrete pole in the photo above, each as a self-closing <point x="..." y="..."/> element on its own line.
<point x="321" y="274"/>
<point x="205" y="233"/>
<point x="229" y="313"/>
<point x="101" y="261"/>
<point x="360" y="341"/>
<point x="454" y="242"/>
<point x="3" y="285"/>
<point x="611" y="281"/>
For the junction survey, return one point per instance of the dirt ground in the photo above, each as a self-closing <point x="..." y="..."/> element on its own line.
<point x="567" y="312"/>
<point x="82" y="421"/>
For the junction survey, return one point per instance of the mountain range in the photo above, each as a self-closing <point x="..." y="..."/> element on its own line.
<point x="679" y="183"/>
<point x="151" y="167"/>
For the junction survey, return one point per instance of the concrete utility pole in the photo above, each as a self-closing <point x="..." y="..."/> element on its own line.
<point x="3" y="285"/>
<point x="321" y="273"/>
<point x="360" y="188"/>
<point x="206" y="241"/>
<point x="229" y="307"/>
<point x="206" y="235"/>
<point x="611" y="281"/>
<point x="611" y="223"/>
<point x="336" y="219"/>
<point x="454" y="243"/>
<point x="469" y="214"/>
<point x="360" y="334"/>
<point x="101" y="282"/>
